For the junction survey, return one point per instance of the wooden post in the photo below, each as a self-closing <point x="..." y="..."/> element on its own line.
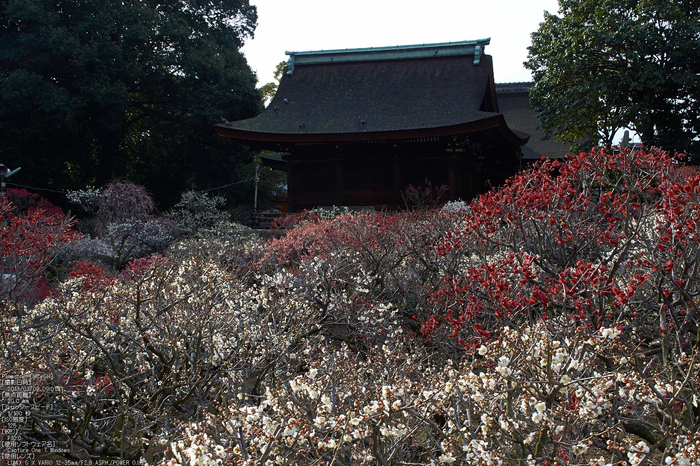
<point x="339" y="192"/>
<point x="452" y="177"/>
<point x="291" y="188"/>
<point x="398" y="198"/>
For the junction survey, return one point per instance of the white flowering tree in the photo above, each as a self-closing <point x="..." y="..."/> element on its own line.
<point x="553" y="394"/>
<point x="117" y="366"/>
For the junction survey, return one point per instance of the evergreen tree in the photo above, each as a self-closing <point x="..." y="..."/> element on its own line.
<point x="601" y="65"/>
<point x="91" y="90"/>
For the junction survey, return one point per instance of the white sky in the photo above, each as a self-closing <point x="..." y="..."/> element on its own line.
<point x="302" y="25"/>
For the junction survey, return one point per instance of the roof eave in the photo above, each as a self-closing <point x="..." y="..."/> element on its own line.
<point x="496" y="121"/>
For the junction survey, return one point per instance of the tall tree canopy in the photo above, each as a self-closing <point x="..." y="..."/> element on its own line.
<point x="601" y="65"/>
<point x="91" y="90"/>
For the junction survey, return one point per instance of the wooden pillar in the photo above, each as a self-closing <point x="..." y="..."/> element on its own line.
<point x="452" y="177"/>
<point x="469" y="174"/>
<point x="398" y="198"/>
<point x="339" y="188"/>
<point x="291" y="187"/>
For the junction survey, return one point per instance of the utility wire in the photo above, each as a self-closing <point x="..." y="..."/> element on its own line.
<point x="230" y="184"/>
<point x="66" y="192"/>
<point x="37" y="189"/>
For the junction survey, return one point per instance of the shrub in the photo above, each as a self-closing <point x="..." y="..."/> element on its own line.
<point x="357" y="263"/>
<point x="603" y="239"/>
<point x="197" y="211"/>
<point x="22" y="201"/>
<point x="122" y="225"/>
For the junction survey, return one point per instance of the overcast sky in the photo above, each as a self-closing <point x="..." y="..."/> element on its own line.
<point x="302" y="25"/>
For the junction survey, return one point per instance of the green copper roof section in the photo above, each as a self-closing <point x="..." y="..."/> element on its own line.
<point x="443" y="49"/>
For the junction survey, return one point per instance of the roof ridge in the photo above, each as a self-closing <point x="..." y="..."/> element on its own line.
<point x="398" y="52"/>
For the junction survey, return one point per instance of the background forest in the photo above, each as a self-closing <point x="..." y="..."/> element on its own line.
<point x="92" y="91"/>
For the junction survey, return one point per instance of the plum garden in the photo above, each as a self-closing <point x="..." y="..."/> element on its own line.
<point x="551" y="321"/>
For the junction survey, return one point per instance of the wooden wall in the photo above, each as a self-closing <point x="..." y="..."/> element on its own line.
<point x="377" y="174"/>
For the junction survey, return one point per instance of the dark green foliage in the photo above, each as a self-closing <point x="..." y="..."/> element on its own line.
<point x="91" y="90"/>
<point x="602" y="65"/>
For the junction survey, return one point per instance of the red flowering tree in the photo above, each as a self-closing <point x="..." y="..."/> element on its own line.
<point x="603" y="238"/>
<point x="30" y="234"/>
<point x="22" y="200"/>
<point x="368" y="273"/>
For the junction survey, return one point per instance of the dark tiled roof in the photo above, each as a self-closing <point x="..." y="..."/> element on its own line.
<point x="378" y="99"/>
<point x="514" y="103"/>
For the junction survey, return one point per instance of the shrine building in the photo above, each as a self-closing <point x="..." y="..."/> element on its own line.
<point x="355" y="127"/>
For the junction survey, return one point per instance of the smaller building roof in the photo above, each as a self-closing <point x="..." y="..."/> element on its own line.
<point x="379" y="93"/>
<point x="514" y="103"/>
